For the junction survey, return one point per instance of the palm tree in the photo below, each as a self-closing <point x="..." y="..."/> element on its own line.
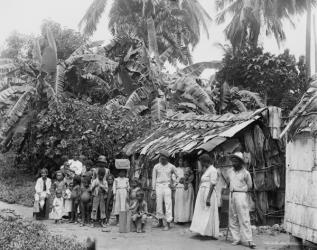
<point x="177" y="22"/>
<point x="249" y="17"/>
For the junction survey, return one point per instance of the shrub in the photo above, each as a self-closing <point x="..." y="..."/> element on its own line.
<point x="32" y="236"/>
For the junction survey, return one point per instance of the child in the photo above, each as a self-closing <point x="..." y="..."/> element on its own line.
<point x="139" y="212"/>
<point x="59" y="183"/>
<point x="110" y="197"/>
<point x="42" y="192"/>
<point x="99" y="189"/>
<point x="75" y="197"/>
<point x="68" y="201"/>
<point x="57" y="211"/>
<point x="120" y="191"/>
<point x="135" y="187"/>
<point x="85" y="200"/>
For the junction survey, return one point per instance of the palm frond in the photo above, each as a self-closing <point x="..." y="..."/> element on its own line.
<point x="165" y="55"/>
<point x="4" y="61"/>
<point x="197" y="68"/>
<point x="106" y="63"/>
<point x="18" y="109"/>
<point x="99" y="81"/>
<point x="240" y="105"/>
<point x="158" y="109"/>
<point x="5" y="94"/>
<point x="137" y="97"/>
<point x="7" y="68"/>
<point x="60" y="79"/>
<point x="253" y="96"/>
<point x="92" y="16"/>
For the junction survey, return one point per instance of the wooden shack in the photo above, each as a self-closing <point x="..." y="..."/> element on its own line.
<point x="301" y="168"/>
<point x="253" y="133"/>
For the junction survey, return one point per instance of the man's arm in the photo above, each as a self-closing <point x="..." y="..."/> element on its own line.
<point x="248" y="180"/>
<point x="154" y="177"/>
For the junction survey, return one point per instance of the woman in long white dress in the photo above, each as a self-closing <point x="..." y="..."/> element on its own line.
<point x="206" y="219"/>
<point x="184" y="194"/>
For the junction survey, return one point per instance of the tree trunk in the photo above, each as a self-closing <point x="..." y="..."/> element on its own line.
<point x="315" y="42"/>
<point x="308" y="38"/>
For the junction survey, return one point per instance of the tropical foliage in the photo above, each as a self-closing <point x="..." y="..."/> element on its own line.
<point x="280" y="80"/>
<point x="177" y="23"/>
<point x="250" y="17"/>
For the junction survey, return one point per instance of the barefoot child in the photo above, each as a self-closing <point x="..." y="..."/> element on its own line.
<point x="120" y="190"/>
<point x="99" y="189"/>
<point x="135" y="187"/>
<point x="85" y="201"/>
<point x="68" y="201"/>
<point x="42" y="192"/>
<point x="59" y="183"/>
<point x="75" y="197"/>
<point x="110" y="197"/>
<point x="57" y="211"/>
<point x="139" y="212"/>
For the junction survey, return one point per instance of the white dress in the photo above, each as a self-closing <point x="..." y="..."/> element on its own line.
<point x="184" y="200"/>
<point x="120" y="191"/>
<point x="205" y="220"/>
<point x="67" y="202"/>
<point x="58" y="209"/>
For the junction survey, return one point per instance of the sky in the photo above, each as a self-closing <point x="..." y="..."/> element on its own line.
<point x="25" y="16"/>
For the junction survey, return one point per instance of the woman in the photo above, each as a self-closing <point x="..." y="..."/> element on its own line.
<point x="184" y="194"/>
<point x="205" y="219"/>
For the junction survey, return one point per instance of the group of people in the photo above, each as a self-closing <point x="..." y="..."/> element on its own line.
<point x="95" y="194"/>
<point x="205" y="219"/>
<point x="89" y="196"/>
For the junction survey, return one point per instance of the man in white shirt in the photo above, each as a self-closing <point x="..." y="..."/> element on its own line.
<point x="161" y="186"/>
<point x="239" y="212"/>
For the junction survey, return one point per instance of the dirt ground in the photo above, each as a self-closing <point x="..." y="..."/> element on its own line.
<point x="178" y="238"/>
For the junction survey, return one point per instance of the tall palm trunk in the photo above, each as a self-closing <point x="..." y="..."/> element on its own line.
<point x="308" y="38"/>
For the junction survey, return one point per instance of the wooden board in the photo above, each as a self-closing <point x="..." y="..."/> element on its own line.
<point x="301" y="188"/>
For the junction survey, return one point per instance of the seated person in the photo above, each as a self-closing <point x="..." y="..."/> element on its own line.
<point x="139" y="212"/>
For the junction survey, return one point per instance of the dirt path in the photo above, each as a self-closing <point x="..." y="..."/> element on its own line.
<point x="179" y="238"/>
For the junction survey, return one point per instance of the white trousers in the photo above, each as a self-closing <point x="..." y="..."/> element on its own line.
<point x="164" y="194"/>
<point x="239" y="217"/>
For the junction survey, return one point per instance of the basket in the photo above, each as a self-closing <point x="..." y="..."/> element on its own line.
<point x="122" y="164"/>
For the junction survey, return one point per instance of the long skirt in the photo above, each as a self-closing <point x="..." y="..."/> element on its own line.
<point x="184" y="204"/>
<point x="121" y="204"/>
<point x="206" y="220"/>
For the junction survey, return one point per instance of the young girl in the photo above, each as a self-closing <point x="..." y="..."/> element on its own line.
<point x="68" y="201"/>
<point x="59" y="183"/>
<point x="120" y="190"/>
<point x="75" y="197"/>
<point x="110" y="197"/>
<point x="135" y="187"/>
<point x="42" y="192"/>
<point x="57" y="211"/>
<point x="99" y="189"/>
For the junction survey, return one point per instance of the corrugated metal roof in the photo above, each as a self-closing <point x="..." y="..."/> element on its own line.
<point x="187" y="135"/>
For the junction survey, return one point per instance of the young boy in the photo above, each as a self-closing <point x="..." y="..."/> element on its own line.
<point x="139" y="212"/>
<point x="99" y="189"/>
<point x="75" y="196"/>
<point x="85" y="200"/>
<point x="42" y="192"/>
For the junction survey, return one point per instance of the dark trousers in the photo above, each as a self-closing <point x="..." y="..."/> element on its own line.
<point x="75" y="205"/>
<point x="85" y="211"/>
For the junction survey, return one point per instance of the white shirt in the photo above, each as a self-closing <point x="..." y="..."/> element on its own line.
<point x="76" y="166"/>
<point x="39" y="186"/>
<point x="240" y="180"/>
<point x="163" y="173"/>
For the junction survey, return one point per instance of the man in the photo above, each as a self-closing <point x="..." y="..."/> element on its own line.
<point x="101" y="163"/>
<point x="239" y="217"/>
<point x="161" y="186"/>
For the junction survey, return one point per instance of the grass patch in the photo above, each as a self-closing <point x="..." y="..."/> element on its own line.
<point x="25" y="235"/>
<point x="16" y="185"/>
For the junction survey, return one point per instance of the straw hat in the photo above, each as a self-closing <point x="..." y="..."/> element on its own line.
<point x="238" y="155"/>
<point x="102" y="158"/>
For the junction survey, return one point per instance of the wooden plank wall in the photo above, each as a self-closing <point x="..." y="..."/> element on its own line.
<point x="301" y="187"/>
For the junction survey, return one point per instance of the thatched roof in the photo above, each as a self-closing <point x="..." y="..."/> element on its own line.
<point x="193" y="132"/>
<point x="304" y="115"/>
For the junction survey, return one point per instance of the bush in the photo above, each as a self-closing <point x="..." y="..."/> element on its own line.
<point x="16" y="186"/>
<point x="32" y="236"/>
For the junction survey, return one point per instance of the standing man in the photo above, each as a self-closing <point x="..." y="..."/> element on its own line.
<point x="161" y="186"/>
<point x="101" y="163"/>
<point x="239" y="213"/>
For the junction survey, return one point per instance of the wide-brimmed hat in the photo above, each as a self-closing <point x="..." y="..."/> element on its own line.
<point x="237" y="155"/>
<point x="102" y="158"/>
<point x="164" y="153"/>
